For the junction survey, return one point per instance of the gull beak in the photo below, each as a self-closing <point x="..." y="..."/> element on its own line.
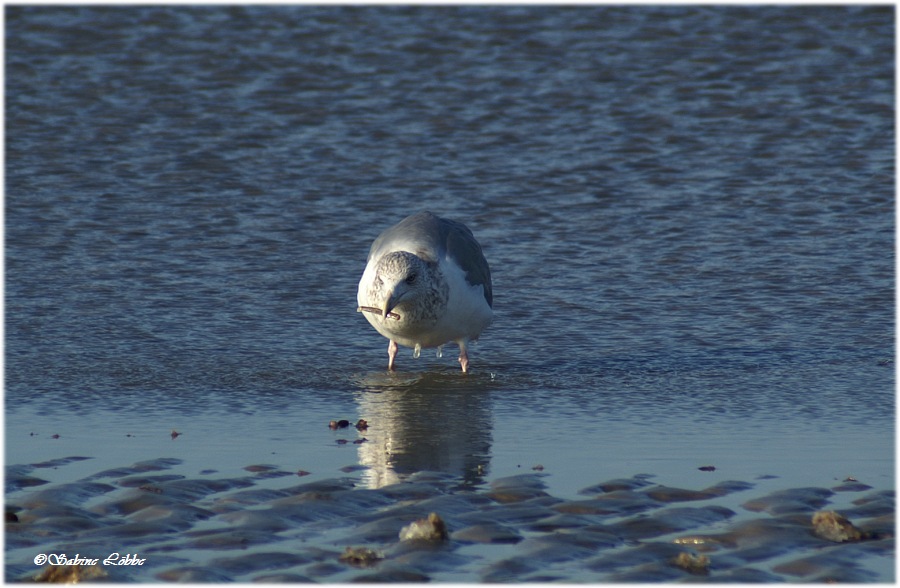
<point x="388" y="307"/>
<point x="392" y="301"/>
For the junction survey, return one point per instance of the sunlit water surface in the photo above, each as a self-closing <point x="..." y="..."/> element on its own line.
<point x="688" y="212"/>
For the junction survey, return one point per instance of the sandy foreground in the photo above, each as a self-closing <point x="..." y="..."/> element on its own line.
<point x="144" y="522"/>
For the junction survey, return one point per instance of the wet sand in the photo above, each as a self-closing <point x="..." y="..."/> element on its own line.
<point x="272" y="526"/>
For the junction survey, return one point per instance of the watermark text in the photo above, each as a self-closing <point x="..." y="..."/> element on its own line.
<point x="114" y="559"/>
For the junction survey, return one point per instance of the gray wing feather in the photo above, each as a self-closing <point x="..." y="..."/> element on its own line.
<point x="435" y="236"/>
<point x="466" y="251"/>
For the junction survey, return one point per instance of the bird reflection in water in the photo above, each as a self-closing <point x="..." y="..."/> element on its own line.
<point x="424" y="422"/>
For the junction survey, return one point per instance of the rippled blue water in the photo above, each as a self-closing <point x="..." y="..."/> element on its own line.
<point x="688" y="212"/>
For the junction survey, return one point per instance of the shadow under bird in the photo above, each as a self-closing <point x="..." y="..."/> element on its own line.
<point x="427" y="283"/>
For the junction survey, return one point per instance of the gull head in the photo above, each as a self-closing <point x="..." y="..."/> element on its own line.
<point x="401" y="280"/>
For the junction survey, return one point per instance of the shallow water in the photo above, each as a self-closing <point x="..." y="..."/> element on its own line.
<point x="688" y="212"/>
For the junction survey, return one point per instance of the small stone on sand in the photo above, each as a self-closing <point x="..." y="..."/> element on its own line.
<point x="362" y="557"/>
<point x="65" y="574"/>
<point x="432" y="528"/>
<point x="829" y="525"/>
<point x="693" y="564"/>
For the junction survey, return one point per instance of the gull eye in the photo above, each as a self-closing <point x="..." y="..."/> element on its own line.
<point x="411" y="279"/>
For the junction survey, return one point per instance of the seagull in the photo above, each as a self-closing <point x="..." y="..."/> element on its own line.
<point x="427" y="283"/>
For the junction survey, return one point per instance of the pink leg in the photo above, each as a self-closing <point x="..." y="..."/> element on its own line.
<point x="392" y="353"/>
<point x="463" y="358"/>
